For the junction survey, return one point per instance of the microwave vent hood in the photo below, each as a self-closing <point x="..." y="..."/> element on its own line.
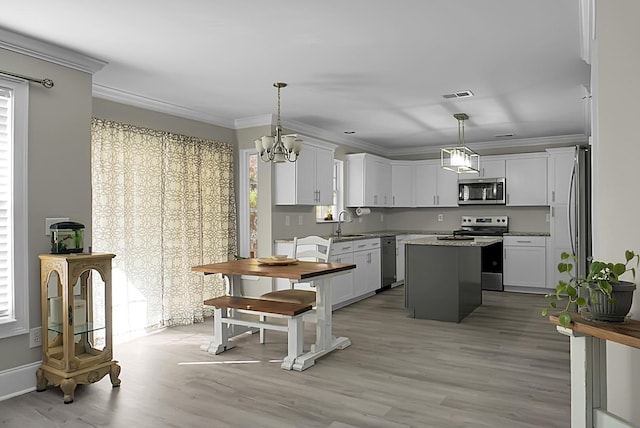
<point x="482" y="191"/>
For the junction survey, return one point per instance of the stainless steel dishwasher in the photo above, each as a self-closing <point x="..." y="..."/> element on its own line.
<point x="388" y="261"/>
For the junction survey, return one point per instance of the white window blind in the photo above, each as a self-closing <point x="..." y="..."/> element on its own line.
<point x="7" y="312"/>
<point x="14" y="112"/>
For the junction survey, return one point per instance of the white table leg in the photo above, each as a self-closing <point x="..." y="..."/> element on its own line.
<point x="325" y="341"/>
<point x="220" y="342"/>
<point x="295" y="340"/>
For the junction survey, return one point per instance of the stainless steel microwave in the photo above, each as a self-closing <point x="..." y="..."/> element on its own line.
<point x="481" y="191"/>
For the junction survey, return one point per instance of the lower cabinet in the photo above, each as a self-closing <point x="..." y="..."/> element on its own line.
<point x="524" y="262"/>
<point x="368" y="274"/>
<point x="342" y="285"/>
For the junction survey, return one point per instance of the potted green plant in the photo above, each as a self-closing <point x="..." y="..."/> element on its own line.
<point x="601" y="292"/>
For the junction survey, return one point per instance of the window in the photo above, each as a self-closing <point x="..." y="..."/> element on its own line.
<point x="13" y="209"/>
<point x="329" y="213"/>
<point x="249" y="203"/>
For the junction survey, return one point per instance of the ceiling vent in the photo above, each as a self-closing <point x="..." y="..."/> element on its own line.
<point x="458" y="94"/>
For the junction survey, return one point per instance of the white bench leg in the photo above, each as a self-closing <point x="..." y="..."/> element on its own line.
<point x="295" y="340"/>
<point x="220" y="341"/>
<point x="262" y="330"/>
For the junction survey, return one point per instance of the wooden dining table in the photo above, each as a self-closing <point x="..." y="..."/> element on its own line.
<point x="299" y="271"/>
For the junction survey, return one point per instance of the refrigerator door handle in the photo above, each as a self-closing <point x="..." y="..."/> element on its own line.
<point x="571" y="196"/>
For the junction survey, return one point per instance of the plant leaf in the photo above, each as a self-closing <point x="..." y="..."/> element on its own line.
<point x="544" y="312"/>
<point x="581" y="301"/>
<point x="564" y="319"/>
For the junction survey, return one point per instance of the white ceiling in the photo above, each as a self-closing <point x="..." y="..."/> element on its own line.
<point x="376" y="67"/>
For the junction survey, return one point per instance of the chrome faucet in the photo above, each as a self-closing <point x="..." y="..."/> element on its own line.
<point x="339" y="229"/>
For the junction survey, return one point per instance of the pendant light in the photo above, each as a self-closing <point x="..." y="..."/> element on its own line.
<point x="460" y="158"/>
<point x="278" y="148"/>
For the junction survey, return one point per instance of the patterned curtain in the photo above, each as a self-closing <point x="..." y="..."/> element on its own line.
<point x="161" y="203"/>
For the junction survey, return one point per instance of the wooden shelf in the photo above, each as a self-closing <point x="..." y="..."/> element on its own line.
<point x="625" y="333"/>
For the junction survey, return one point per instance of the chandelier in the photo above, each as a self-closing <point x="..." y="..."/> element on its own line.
<point x="460" y="159"/>
<point x="278" y="148"/>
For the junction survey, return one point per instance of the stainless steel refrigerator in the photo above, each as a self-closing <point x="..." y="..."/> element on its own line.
<point x="579" y="208"/>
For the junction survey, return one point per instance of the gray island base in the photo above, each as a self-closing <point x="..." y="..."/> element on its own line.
<point x="443" y="279"/>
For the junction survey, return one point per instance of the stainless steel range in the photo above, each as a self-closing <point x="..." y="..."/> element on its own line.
<point x="492" y="263"/>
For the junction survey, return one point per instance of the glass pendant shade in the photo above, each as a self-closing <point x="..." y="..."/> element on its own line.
<point x="460" y="159"/>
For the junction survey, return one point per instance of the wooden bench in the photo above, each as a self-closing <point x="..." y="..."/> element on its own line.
<point x="292" y="312"/>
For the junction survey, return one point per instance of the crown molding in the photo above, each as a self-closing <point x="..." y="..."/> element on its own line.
<point x="136" y="100"/>
<point x="49" y="52"/>
<point x="252" y="122"/>
<point x="502" y="144"/>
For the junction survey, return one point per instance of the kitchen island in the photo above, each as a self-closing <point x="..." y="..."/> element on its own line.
<point x="443" y="278"/>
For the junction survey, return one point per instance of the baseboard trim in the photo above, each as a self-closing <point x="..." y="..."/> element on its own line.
<point x="18" y="380"/>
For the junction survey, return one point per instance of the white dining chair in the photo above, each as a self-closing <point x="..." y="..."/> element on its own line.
<point x="310" y="248"/>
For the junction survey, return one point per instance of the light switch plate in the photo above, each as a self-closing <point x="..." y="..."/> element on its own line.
<point x="52" y="220"/>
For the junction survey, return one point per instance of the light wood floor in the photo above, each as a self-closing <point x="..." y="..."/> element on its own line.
<point x="503" y="366"/>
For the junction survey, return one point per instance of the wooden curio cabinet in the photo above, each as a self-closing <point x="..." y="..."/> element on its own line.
<point x="77" y="347"/>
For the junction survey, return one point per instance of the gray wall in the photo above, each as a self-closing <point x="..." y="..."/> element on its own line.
<point x="150" y="119"/>
<point x="59" y="180"/>
<point x="616" y="199"/>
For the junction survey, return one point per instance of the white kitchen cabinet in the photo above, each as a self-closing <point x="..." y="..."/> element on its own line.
<point x="307" y="181"/>
<point x="367" y="274"/>
<point x="526" y="180"/>
<point x="435" y="187"/>
<point x="342" y="285"/>
<point x="561" y="163"/>
<point x="368" y="180"/>
<point x="403" y="184"/>
<point x="490" y="167"/>
<point x="524" y="262"/>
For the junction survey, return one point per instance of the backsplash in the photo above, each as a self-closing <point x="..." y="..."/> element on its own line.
<point x="521" y="219"/>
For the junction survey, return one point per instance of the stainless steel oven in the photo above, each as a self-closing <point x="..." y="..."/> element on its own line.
<point x="492" y="261"/>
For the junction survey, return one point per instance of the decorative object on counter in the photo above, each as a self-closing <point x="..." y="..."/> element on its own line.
<point x="604" y="296"/>
<point x="460" y="158"/>
<point x="67" y="237"/>
<point x="281" y="147"/>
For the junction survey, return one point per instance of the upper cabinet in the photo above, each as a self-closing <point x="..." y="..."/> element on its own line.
<point x="309" y="180"/>
<point x="368" y="181"/>
<point x="561" y="163"/>
<point x="526" y="179"/>
<point x="490" y="167"/>
<point x="403" y="177"/>
<point x="435" y="186"/>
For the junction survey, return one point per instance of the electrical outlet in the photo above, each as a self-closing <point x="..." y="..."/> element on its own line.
<point x="381" y="218"/>
<point x="440" y="217"/>
<point x="300" y="220"/>
<point x="287" y="220"/>
<point x="35" y="337"/>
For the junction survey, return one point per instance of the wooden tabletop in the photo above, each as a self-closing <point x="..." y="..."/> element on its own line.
<point x="298" y="271"/>
<point x="626" y="333"/>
